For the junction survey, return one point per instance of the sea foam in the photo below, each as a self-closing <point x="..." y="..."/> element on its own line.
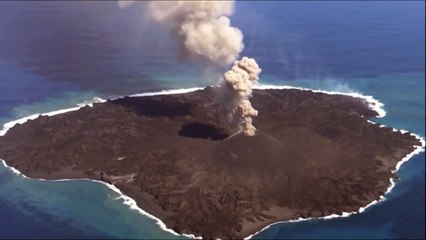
<point x="373" y="104"/>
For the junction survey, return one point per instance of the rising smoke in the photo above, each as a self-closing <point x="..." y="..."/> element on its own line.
<point x="236" y="87"/>
<point x="203" y="31"/>
<point x="201" y="28"/>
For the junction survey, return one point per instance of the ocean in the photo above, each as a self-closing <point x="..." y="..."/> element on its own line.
<point x="55" y="55"/>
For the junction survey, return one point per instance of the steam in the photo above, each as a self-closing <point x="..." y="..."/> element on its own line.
<point x="201" y="28"/>
<point x="204" y="32"/>
<point x="236" y="86"/>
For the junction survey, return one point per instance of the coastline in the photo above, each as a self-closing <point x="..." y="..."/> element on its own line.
<point x="126" y="199"/>
<point x="418" y="149"/>
<point x="372" y="104"/>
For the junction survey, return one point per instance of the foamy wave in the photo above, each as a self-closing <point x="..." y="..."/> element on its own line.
<point x="373" y="104"/>
<point x="168" y="92"/>
<point x="91" y="102"/>
<point x="133" y="205"/>
<point x="14" y="170"/>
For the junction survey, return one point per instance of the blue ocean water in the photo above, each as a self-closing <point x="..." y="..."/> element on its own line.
<point x="54" y="55"/>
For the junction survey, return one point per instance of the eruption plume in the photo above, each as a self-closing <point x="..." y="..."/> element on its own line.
<point x="236" y="85"/>
<point x="201" y="28"/>
<point x="203" y="31"/>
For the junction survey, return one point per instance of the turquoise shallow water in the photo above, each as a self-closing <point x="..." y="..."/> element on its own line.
<point x="77" y="208"/>
<point x="56" y="55"/>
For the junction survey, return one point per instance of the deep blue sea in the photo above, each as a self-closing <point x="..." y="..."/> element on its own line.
<point x="54" y="55"/>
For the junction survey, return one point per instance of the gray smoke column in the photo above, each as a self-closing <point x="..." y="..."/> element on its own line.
<point x="204" y="32"/>
<point x="201" y="28"/>
<point x="236" y="87"/>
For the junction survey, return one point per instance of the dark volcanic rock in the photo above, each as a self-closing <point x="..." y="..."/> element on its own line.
<point x="314" y="155"/>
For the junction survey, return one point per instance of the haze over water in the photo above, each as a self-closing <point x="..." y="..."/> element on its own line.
<point x="57" y="54"/>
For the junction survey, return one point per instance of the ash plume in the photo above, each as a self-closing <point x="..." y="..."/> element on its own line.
<point x="203" y="31"/>
<point x="236" y="87"/>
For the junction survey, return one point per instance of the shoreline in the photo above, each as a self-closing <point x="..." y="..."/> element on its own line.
<point x="372" y="103"/>
<point x="417" y="150"/>
<point x="126" y="199"/>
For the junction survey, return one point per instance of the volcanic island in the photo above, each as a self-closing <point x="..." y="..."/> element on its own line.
<point x="313" y="155"/>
